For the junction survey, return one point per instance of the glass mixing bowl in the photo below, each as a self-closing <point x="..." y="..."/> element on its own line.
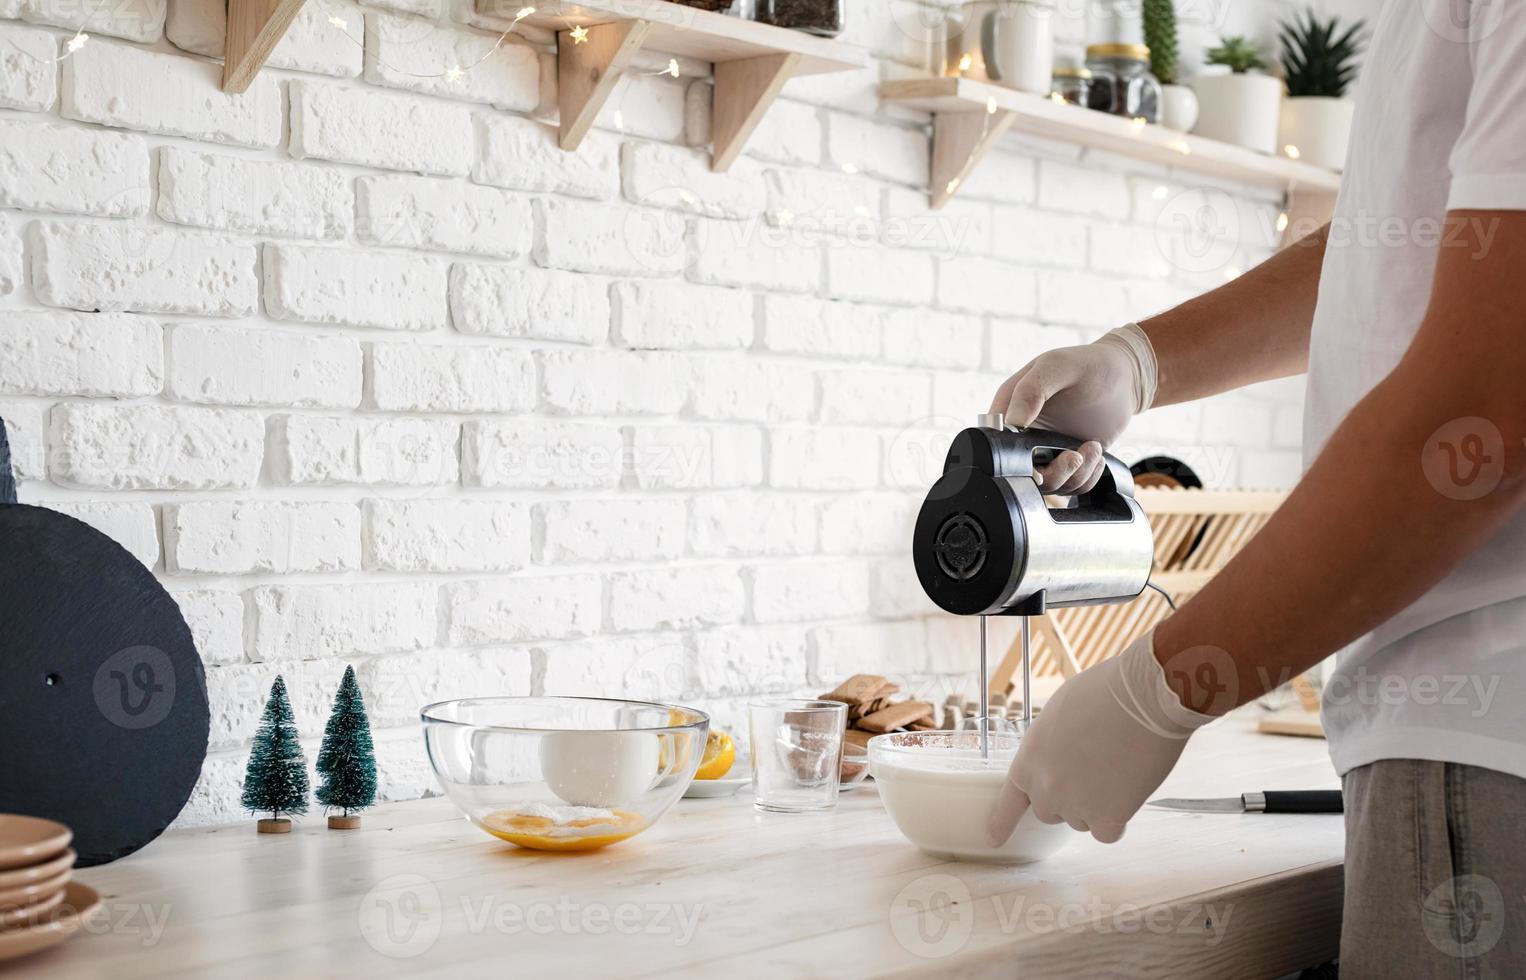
<point x="940" y="791"/>
<point x="563" y="774"/>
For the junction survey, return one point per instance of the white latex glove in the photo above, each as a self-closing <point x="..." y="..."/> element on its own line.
<point x="1104" y="742"/>
<point x="1089" y="393"/>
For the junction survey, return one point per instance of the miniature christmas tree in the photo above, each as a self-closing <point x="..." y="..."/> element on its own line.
<point x="275" y="781"/>
<point x="345" y="760"/>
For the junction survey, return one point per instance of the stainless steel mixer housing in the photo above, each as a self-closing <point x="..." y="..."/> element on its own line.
<point x="987" y="543"/>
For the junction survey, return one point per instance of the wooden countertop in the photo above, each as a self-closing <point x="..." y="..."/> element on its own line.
<point x="718" y="889"/>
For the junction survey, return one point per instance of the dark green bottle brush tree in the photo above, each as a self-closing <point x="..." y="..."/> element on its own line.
<point x="275" y="781"/>
<point x="346" y="762"/>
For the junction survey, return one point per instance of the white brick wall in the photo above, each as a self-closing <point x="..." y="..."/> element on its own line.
<point x="109" y="267"/>
<point x="398" y="382"/>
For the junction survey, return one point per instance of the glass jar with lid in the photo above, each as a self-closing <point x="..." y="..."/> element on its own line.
<point x="1121" y="82"/>
<point x="1072" y="83"/>
<point x="824" y="17"/>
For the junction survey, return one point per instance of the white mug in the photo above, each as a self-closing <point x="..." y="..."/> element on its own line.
<point x="1009" y="42"/>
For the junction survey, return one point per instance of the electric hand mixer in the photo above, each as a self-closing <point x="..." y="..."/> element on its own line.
<point x="986" y="542"/>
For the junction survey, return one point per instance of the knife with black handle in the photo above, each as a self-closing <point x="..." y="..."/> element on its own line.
<point x="1270" y="801"/>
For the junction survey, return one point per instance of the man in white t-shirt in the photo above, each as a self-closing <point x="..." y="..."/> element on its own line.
<point x="1403" y="548"/>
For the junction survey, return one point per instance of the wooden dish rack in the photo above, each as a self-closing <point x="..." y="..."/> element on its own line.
<point x="1196" y="533"/>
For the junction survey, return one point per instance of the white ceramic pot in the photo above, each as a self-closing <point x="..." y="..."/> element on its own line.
<point x="1241" y="109"/>
<point x="1319" y="127"/>
<point x="1178" y="108"/>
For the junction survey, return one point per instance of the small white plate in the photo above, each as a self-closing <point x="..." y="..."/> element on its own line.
<point x="707" y="789"/>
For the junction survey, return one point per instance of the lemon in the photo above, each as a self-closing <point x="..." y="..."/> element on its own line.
<point x="720" y="753"/>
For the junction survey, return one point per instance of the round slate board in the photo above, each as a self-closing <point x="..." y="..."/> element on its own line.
<point x="103" y="699"/>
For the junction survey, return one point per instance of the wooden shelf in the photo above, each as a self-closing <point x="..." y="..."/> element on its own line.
<point x="969" y="116"/>
<point x="752" y="61"/>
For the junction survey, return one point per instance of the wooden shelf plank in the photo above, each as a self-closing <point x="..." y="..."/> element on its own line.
<point x="692" y="33"/>
<point x="254" y="28"/>
<point x="1039" y="116"/>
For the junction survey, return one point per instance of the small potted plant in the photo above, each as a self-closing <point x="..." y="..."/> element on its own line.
<point x="1318" y="63"/>
<point x="1178" y="103"/>
<point x="1239" y="105"/>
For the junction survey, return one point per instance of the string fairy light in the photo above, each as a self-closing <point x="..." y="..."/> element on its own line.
<point x="455" y="72"/>
<point x="671" y="68"/>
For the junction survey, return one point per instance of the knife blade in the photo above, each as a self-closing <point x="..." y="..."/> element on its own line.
<point x="1270" y="801"/>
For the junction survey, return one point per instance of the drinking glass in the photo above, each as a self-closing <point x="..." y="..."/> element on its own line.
<point x="796" y="753"/>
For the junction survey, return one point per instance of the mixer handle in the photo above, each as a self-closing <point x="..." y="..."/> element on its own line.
<point x="1011" y="454"/>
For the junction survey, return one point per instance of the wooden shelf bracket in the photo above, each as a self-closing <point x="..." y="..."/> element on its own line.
<point x="744" y="89"/>
<point x="588" y="73"/>
<point x="254" y="29"/>
<point x="960" y="141"/>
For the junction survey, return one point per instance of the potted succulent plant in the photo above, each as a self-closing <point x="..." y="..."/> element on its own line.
<point x="1239" y="105"/>
<point x="1318" y="63"/>
<point x="1178" y="103"/>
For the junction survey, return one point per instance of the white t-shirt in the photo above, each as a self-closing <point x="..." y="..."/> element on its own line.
<point x="1440" y="126"/>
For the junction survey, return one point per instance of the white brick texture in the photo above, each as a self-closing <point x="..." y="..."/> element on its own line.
<point x="309" y="622"/>
<point x="308" y="450"/>
<point x="675" y="598"/>
<point x="442" y="215"/>
<point x="446" y="535"/>
<point x="523" y="608"/>
<point x="146" y="447"/>
<point x="132" y="526"/>
<point x="114" y="355"/>
<point x="404" y="52"/>
<point x="528" y="454"/>
<point x="586" y="237"/>
<point x="261" y="366"/>
<point x="523" y="155"/>
<point x="599" y="382"/>
<point x="10" y="257"/>
<point x="128" y="88"/>
<point x="672" y="177"/>
<point x="28" y="68"/>
<point x="428" y="378"/>
<point x="216" y="619"/>
<point x="694" y="457"/>
<point x="310" y="44"/>
<point x="796" y="325"/>
<point x="132" y="20"/>
<point x="803" y="590"/>
<point x="735" y="524"/>
<point x="229" y="193"/>
<point x="612" y="529"/>
<point x="673" y="316"/>
<point x="231" y="538"/>
<point x="392" y="291"/>
<point x="507" y="301"/>
<point x="115" y="267"/>
<point x="374" y="129"/>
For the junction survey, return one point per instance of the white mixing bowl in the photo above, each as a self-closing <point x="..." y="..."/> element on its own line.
<point x="940" y="792"/>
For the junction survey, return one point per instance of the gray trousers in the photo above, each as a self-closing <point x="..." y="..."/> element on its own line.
<point x="1435" y="872"/>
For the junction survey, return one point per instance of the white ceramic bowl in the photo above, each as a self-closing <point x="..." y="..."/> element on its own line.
<point x="939" y="791"/>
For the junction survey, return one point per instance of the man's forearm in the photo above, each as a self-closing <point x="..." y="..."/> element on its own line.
<point x="1252" y="329"/>
<point x="1366" y="532"/>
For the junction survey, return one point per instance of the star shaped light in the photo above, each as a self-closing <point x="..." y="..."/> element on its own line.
<point x="579" y="34"/>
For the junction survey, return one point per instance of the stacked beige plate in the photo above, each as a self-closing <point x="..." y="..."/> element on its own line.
<point x="40" y="904"/>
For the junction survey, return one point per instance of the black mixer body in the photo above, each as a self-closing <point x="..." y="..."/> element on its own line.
<point x="987" y="543"/>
